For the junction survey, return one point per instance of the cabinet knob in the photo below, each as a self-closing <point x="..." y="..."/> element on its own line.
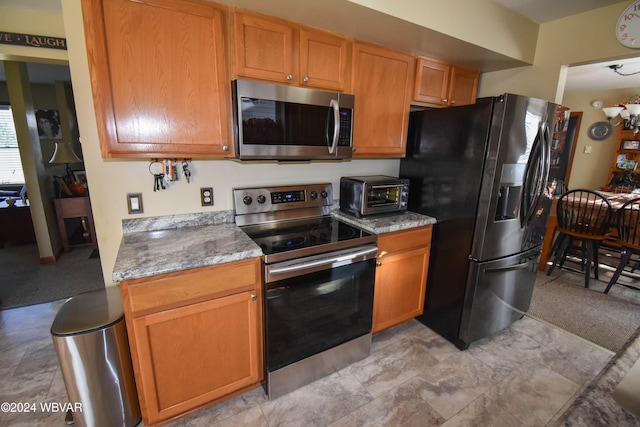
<point x="225" y="148"/>
<point x="378" y="263"/>
<point x="306" y="80"/>
<point x="289" y="77"/>
<point x="254" y="297"/>
<point x="445" y="100"/>
<point x="453" y="101"/>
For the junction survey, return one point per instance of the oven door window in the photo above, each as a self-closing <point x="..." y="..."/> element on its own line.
<point x="308" y="314"/>
<point x="384" y="195"/>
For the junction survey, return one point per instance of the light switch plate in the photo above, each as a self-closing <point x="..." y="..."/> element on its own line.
<point x="206" y="196"/>
<point x="134" y="203"/>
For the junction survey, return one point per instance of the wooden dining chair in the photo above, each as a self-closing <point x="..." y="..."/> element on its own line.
<point x="627" y="220"/>
<point x="584" y="220"/>
<point x="623" y="188"/>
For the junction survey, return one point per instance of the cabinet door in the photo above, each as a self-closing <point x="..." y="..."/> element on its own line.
<point x="432" y="81"/>
<point x="195" y="354"/>
<point x="264" y="48"/>
<point x="381" y="80"/>
<point x="323" y="60"/>
<point x="463" y="88"/>
<point x="400" y="287"/>
<point x="160" y="86"/>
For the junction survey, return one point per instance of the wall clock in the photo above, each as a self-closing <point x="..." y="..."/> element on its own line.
<point x="628" y="27"/>
<point x="599" y="131"/>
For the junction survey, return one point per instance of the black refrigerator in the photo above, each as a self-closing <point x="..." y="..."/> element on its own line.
<point x="482" y="171"/>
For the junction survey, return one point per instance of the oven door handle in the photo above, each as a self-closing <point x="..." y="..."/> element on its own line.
<point x="342" y="259"/>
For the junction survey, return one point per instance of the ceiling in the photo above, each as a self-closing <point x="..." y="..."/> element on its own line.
<point x="591" y="77"/>
<point x="539" y="11"/>
<point x="583" y="78"/>
<point x="542" y="11"/>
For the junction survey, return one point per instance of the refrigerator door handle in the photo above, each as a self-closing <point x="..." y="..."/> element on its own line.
<point x="522" y="266"/>
<point x="543" y="158"/>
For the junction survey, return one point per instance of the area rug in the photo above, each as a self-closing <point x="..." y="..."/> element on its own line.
<point x="24" y="281"/>
<point x="608" y="320"/>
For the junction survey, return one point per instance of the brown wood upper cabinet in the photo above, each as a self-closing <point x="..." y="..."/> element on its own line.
<point x="442" y="84"/>
<point x="382" y="82"/>
<point x="159" y="80"/>
<point x="282" y="52"/>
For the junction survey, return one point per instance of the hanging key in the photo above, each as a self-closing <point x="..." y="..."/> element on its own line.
<point x="159" y="182"/>
<point x="185" y="171"/>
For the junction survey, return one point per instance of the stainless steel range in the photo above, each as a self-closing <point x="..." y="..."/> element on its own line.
<point x="319" y="274"/>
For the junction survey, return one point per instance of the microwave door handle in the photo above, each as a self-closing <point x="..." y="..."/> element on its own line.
<point x="336" y="125"/>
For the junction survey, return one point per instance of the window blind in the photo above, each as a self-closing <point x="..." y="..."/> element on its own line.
<point x="10" y="164"/>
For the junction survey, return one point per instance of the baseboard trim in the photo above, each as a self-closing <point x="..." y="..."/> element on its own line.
<point x="47" y="260"/>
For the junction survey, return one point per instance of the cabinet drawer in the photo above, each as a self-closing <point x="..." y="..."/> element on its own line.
<point x="404" y="239"/>
<point x="176" y="289"/>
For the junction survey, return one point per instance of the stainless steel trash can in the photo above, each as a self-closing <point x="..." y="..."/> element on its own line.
<point x="90" y="339"/>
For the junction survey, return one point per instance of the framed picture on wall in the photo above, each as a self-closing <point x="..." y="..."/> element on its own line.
<point x="48" y="124"/>
<point x="80" y="176"/>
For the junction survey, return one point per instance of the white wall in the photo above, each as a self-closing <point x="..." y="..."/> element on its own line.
<point x="584" y="38"/>
<point x="591" y="170"/>
<point x="481" y="22"/>
<point x="31" y="21"/>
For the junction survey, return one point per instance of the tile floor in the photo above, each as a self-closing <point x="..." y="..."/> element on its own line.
<point x="525" y="376"/>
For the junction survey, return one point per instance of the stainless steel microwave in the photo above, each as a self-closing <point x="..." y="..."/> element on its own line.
<point x="375" y="194"/>
<point x="278" y="122"/>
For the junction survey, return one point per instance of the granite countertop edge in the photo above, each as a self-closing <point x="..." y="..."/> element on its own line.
<point x="167" y="244"/>
<point x="388" y="223"/>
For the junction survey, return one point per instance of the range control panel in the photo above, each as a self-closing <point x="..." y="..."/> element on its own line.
<point x="288" y="196"/>
<point x="272" y="199"/>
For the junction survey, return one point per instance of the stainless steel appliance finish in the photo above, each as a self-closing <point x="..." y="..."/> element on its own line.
<point x="372" y="195"/>
<point x="90" y="339"/>
<point x="482" y="171"/>
<point x="279" y="122"/>
<point x="305" y="371"/>
<point x="319" y="274"/>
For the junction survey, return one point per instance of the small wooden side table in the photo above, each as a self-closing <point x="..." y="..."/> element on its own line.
<point x="74" y="207"/>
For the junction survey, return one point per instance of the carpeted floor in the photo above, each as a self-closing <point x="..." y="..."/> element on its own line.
<point x="24" y="281"/>
<point x="608" y="320"/>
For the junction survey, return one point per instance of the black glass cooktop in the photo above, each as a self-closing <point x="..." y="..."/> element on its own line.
<point x="293" y="238"/>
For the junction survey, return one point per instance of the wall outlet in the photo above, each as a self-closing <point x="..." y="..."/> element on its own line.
<point x="206" y="196"/>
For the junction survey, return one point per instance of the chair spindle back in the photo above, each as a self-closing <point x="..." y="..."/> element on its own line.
<point x="584" y="212"/>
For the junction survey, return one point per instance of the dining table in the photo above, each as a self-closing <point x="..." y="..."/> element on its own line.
<point x="616" y="200"/>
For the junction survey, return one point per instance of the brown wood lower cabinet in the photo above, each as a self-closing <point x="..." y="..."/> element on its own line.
<point x="401" y="276"/>
<point x="196" y="337"/>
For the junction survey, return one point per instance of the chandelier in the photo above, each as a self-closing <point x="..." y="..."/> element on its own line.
<point x="629" y="114"/>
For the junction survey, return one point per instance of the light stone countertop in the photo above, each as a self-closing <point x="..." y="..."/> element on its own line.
<point x="379" y="224"/>
<point x="191" y="241"/>
<point x="166" y="244"/>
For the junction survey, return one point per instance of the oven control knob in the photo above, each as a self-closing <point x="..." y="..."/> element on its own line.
<point x="247" y="200"/>
<point x="261" y="199"/>
<point x="324" y="194"/>
<point x="313" y="195"/>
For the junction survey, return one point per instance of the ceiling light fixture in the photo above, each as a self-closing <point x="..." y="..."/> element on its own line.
<point x="629" y="114"/>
